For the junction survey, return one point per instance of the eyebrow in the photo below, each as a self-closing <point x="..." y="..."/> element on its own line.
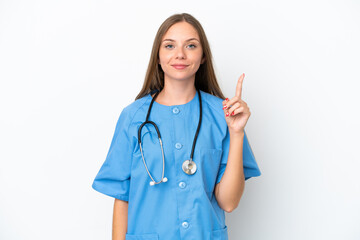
<point x="172" y="40"/>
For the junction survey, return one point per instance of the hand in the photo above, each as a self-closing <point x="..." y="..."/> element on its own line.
<point x="236" y="110"/>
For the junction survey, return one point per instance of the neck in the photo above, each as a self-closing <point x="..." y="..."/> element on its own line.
<point x="176" y="93"/>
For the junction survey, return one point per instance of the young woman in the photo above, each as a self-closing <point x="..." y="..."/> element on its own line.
<point x="179" y="156"/>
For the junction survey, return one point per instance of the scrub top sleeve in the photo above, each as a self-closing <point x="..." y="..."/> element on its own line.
<point x="250" y="166"/>
<point x="113" y="178"/>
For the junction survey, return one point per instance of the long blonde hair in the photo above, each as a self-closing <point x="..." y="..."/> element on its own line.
<point x="205" y="78"/>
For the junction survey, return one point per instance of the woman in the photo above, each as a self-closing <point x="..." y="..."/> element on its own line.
<point x="180" y="189"/>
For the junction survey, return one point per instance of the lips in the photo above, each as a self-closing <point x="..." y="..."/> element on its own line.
<point x="179" y="66"/>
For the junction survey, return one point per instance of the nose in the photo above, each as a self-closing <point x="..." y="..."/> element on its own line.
<point x="180" y="54"/>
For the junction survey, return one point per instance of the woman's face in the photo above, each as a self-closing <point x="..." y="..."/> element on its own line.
<point x="180" y="53"/>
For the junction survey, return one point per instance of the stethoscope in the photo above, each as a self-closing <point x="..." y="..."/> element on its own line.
<point x="188" y="166"/>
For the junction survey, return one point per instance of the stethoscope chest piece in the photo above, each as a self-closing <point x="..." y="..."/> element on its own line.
<point x="189" y="167"/>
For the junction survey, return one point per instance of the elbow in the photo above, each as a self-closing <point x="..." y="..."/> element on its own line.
<point x="231" y="205"/>
<point x="229" y="209"/>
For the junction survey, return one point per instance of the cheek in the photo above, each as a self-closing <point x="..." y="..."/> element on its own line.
<point x="163" y="57"/>
<point x="197" y="57"/>
<point x="197" y="62"/>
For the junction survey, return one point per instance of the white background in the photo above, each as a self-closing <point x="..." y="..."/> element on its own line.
<point x="68" y="68"/>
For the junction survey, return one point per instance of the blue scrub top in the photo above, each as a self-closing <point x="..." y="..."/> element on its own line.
<point x="185" y="206"/>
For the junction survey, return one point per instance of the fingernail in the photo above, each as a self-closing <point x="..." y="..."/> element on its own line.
<point x="224" y="107"/>
<point x="232" y="113"/>
<point x="227" y="99"/>
<point x="227" y="114"/>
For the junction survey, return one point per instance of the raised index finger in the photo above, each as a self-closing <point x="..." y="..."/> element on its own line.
<point x="239" y="85"/>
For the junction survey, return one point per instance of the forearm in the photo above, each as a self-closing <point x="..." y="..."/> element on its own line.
<point x="120" y="217"/>
<point x="229" y="190"/>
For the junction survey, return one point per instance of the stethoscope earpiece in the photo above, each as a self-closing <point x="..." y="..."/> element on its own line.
<point x="152" y="183"/>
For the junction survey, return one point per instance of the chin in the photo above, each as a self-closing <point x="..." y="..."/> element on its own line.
<point x="180" y="77"/>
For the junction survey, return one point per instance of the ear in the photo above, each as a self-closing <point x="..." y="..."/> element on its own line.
<point x="203" y="60"/>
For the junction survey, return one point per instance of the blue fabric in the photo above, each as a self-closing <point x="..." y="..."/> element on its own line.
<point x="185" y="207"/>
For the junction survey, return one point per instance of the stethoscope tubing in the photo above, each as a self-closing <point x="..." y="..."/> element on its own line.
<point x="161" y="144"/>
<point x="162" y="151"/>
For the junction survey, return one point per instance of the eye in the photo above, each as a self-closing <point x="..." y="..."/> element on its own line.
<point x="169" y="46"/>
<point x="192" y="46"/>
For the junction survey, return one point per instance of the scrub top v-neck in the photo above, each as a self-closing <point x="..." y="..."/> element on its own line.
<point x="185" y="206"/>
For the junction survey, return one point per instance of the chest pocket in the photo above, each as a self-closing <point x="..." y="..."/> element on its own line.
<point x="209" y="167"/>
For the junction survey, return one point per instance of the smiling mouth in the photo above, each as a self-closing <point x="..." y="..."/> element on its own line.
<point x="180" y="66"/>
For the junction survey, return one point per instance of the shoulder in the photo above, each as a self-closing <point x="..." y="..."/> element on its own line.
<point x="130" y="112"/>
<point x="213" y="102"/>
<point x="213" y="109"/>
